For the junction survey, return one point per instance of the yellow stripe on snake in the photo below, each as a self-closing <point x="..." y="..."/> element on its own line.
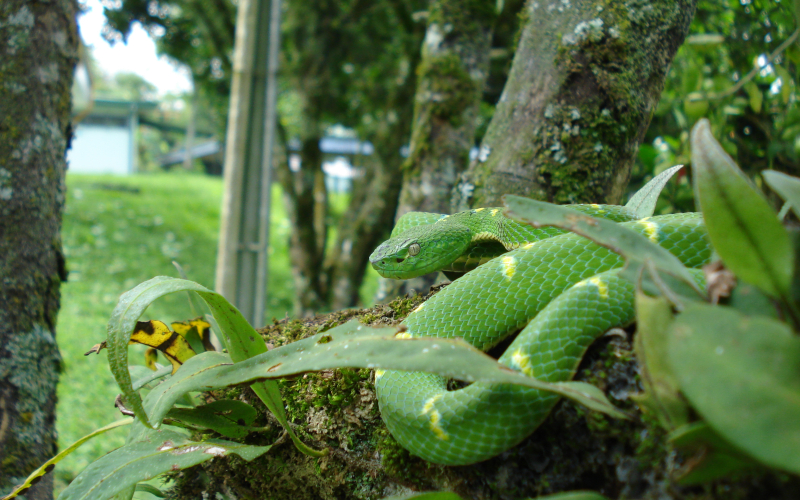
<point x="560" y="288"/>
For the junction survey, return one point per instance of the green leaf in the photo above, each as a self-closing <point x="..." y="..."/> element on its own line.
<point x="239" y="337"/>
<point x="713" y="458"/>
<point x="160" y="451"/>
<point x="787" y="186"/>
<point x="244" y="342"/>
<point x="149" y="488"/>
<point x="635" y="248"/>
<point x="124" y="494"/>
<point x="786" y="83"/>
<point x="46" y="467"/>
<point x="661" y="393"/>
<point x="357" y="346"/>
<point x="741" y="374"/>
<point x="750" y="301"/>
<point x="145" y="375"/>
<point x="741" y="225"/>
<point x="228" y="417"/>
<point x="643" y="202"/>
<point x="756" y="98"/>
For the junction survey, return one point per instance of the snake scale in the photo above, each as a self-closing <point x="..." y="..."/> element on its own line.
<point x="560" y="288"/>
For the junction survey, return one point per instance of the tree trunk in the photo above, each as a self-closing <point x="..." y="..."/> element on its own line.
<point x="580" y="95"/>
<point x="304" y="203"/>
<point x="39" y="43"/>
<point x="372" y="207"/>
<point x="371" y="211"/>
<point x="373" y="204"/>
<point x="452" y="75"/>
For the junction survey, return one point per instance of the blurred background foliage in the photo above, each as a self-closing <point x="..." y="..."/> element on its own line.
<point x="739" y="69"/>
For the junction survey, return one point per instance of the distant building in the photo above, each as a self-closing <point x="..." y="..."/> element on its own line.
<point x="338" y="153"/>
<point x="338" y="157"/>
<point x="105" y="139"/>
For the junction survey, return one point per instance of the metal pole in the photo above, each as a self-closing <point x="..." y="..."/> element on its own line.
<point x="244" y="230"/>
<point x="270" y="121"/>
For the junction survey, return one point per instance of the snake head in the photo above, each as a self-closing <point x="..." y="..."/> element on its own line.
<point x="419" y="250"/>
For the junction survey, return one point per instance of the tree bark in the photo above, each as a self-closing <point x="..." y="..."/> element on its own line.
<point x="370" y="212"/>
<point x="39" y="43"/>
<point x="305" y="198"/>
<point x="452" y="74"/>
<point x="333" y="280"/>
<point x="585" y="80"/>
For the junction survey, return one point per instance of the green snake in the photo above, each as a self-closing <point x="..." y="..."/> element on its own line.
<point x="566" y="283"/>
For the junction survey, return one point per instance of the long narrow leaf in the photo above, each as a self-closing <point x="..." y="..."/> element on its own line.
<point x="244" y="342"/>
<point x="239" y="337"/>
<point x="785" y="185"/>
<point x="129" y="308"/>
<point x="356" y="346"/>
<point x="635" y="248"/>
<point x="741" y="375"/>
<point x="50" y="464"/>
<point x="643" y="202"/>
<point x="741" y="225"/>
<point x="160" y="451"/>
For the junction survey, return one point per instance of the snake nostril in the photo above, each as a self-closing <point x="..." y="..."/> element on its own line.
<point x="399" y="260"/>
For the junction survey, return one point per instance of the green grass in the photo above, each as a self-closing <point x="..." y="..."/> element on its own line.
<point x="118" y="232"/>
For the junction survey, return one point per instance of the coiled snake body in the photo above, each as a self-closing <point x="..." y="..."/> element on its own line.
<point x="562" y="288"/>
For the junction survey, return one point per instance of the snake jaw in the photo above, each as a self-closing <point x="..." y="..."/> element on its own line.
<point x="415" y="252"/>
<point x="392" y="258"/>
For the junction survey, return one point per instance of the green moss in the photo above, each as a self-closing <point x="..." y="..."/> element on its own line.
<point x="368" y="318"/>
<point x="333" y="409"/>
<point x="394" y="458"/>
<point x="466" y="18"/>
<point x="447" y="87"/>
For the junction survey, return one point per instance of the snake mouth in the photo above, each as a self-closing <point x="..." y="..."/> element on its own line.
<point x="415" y="253"/>
<point x="406" y="267"/>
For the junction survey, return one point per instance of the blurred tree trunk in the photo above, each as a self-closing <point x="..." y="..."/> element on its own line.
<point x="324" y="281"/>
<point x="39" y="43"/>
<point x="305" y="199"/>
<point x="370" y="211"/>
<point x="452" y="75"/>
<point x="581" y="92"/>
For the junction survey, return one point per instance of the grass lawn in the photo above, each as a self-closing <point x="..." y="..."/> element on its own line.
<point x="118" y="232"/>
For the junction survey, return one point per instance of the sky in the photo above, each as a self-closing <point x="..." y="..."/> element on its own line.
<point x="137" y="56"/>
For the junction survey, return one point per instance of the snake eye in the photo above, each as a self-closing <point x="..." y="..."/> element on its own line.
<point x="413" y="249"/>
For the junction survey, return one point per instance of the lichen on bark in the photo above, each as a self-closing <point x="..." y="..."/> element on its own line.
<point x="451" y="77"/>
<point x="580" y="95"/>
<point x="38" y="43"/>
